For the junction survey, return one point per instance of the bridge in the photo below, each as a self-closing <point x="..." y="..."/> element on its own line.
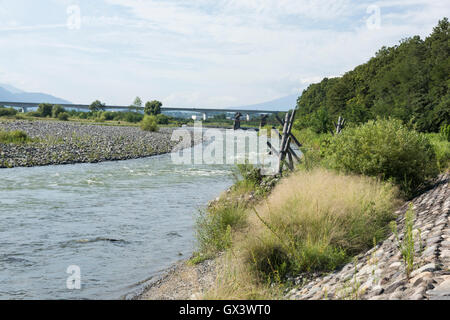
<point x="25" y="106"/>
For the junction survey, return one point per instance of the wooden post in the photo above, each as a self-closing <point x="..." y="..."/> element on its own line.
<point x="286" y="137"/>
<point x="283" y="143"/>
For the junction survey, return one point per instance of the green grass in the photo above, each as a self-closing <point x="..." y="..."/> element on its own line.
<point x="441" y="147"/>
<point x="408" y="243"/>
<point x="214" y="227"/>
<point x="14" y="137"/>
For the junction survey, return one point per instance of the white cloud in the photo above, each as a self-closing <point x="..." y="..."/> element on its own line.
<point x="202" y="53"/>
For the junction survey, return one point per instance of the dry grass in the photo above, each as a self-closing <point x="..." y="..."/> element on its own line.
<point x="312" y="222"/>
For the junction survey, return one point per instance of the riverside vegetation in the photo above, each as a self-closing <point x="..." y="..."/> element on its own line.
<point x="265" y="231"/>
<point x="342" y="199"/>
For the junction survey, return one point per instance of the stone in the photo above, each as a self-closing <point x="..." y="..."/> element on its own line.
<point x="427" y="267"/>
<point x="441" y="290"/>
<point x="445" y="254"/>
<point x="377" y="290"/>
<point x="395" y="265"/>
<point x="396" y="295"/>
<point x="417" y="296"/>
<point x="391" y="288"/>
<point x="429" y="251"/>
<point x="421" y="277"/>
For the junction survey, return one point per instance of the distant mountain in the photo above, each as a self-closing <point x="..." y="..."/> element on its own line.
<point x="11" y="94"/>
<point x="281" y="104"/>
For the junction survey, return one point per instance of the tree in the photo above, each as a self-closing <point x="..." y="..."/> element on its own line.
<point x="149" y="123"/>
<point x="137" y="104"/>
<point x="45" y="109"/>
<point x="409" y="82"/>
<point x="56" y="110"/>
<point x="96" y="105"/>
<point x="153" y="107"/>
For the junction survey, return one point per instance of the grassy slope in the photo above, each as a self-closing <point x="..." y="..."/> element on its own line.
<point x="313" y="221"/>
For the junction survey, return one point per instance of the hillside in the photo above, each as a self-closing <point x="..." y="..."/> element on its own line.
<point x="12" y="94"/>
<point x="281" y="104"/>
<point x="408" y="81"/>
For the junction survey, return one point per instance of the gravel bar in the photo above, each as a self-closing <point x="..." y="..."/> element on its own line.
<point x="56" y="143"/>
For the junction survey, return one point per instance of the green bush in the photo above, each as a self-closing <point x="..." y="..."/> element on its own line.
<point x="7" y="112"/>
<point x="56" y="110"/>
<point x="149" y="123"/>
<point x="45" y="109"/>
<point x="16" y="137"/>
<point x="442" y="149"/>
<point x="132" y="117"/>
<point x="162" y="119"/>
<point x="386" y="149"/>
<point x="63" y="116"/>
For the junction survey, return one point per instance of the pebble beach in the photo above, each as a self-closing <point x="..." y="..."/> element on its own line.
<point x="56" y="143"/>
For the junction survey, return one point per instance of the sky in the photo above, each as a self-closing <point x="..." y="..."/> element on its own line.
<point x="196" y="53"/>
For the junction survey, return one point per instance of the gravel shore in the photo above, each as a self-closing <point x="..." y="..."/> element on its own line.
<point x="183" y="281"/>
<point x="69" y="142"/>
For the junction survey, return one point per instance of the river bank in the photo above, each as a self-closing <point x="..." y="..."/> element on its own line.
<point x="377" y="274"/>
<point x="55" y="143"/>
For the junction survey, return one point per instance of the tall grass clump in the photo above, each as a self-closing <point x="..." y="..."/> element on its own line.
<point x="15" y="137"/>
<point x="149" y="123"/>
<point x="407" y="244"/>
<point x="316" y="221"/>
<point x="214" y="228"/>
<point x="313" y="221"/>
<point x="386" y="149"/>
<point x="441" y="147"/>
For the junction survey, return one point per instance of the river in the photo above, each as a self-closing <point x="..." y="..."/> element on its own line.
<point x="120" y="222"/>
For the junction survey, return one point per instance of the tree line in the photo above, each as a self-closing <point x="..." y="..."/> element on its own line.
<point x="408" y="82"/>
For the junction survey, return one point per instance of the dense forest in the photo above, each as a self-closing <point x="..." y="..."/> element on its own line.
<point x="408" y="81"/>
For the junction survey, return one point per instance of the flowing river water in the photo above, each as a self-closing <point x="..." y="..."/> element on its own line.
<point x="120" y="222"/>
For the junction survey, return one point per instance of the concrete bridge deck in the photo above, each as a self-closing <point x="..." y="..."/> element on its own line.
<point x="27" y="105"/>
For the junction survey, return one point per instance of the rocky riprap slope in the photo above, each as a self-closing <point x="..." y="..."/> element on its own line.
<point x="69" y="142"/>
<point x="379" y="274"/>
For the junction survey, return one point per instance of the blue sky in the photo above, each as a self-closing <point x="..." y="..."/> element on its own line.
<point x="200" y="53"/>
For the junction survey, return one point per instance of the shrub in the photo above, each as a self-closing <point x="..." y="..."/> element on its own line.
<point x="45" y="109"/>
<point x="132" y="117"/>
<point x="63" y="116"/>
<point x="108" y="115"/>
<point x="149" y="124"/>
<point x="56" y="110"/>
<point x="36" y="114"/>
<point x="442" y="149"/>
<point x="313" y="147"/>
<point x="445" y="132"/>
<point x="162" y="119"/>
<point x="386" y="149"/>
<point x="16" y="137"/>
<point x="7" y="112"/>
<point x="213" y="227"/>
